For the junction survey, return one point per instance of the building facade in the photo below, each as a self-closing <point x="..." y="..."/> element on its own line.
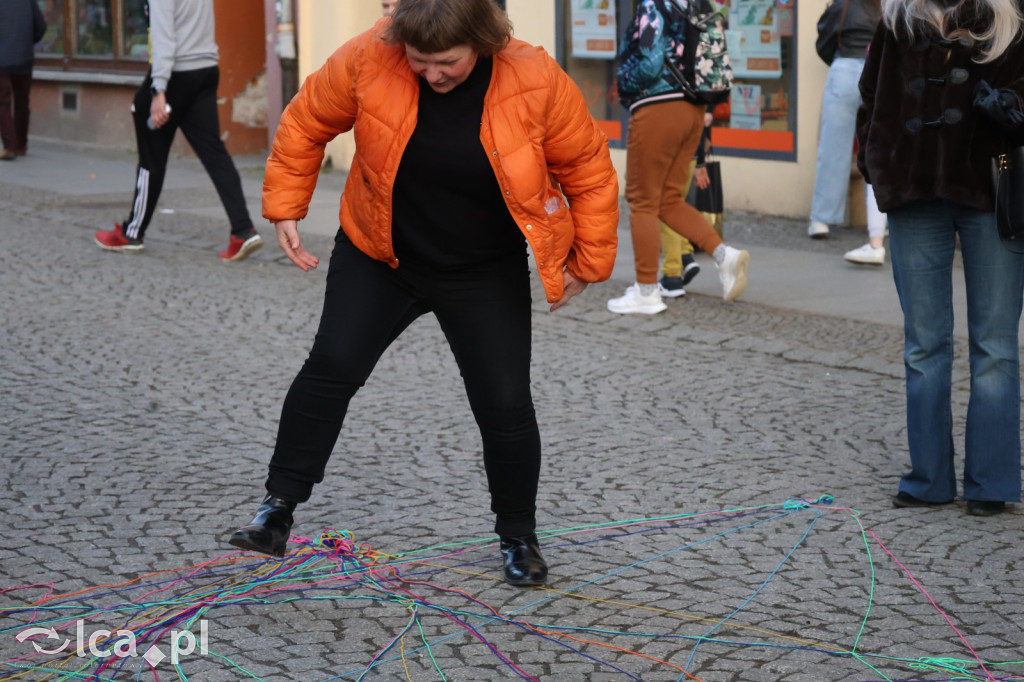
<point x="96" y="53"/>
<point x="765" y="137"/>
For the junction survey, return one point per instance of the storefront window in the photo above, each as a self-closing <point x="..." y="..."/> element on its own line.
<point x="758" y="120"/>
<point x="87" y="34"/>
<point x="95" y="28"/>
<point x="53" y="41"/>
<point x="587" y="44"/>
<point x="135" y="34"/>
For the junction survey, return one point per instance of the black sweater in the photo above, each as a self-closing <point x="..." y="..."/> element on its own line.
<point x="448" y="208"/>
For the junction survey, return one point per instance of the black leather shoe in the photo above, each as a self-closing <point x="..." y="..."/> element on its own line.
<point x="985" y="507"/>
<point x="903" y="499"/>
<point x="523" y="564"/>
<point x="268" y="532"/>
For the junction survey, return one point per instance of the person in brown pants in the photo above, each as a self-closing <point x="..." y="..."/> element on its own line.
<point x="665" y="127"/>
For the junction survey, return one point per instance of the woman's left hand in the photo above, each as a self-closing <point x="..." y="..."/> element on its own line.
<point x="572" y="286"/>
<point x="700" y="177"/>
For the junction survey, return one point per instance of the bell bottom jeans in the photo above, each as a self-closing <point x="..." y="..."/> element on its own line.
<point x="484" y="311"/>
<point x="839" y="107"/>
<point x="922" y="239"/>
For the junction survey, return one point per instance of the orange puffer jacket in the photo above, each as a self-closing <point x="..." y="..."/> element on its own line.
<point x="541" y="141"/>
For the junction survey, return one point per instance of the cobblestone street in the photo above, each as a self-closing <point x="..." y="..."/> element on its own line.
<point x="716" y="484"/>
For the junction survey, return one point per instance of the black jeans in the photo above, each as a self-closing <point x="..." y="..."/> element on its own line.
<point x="193" y="99"/>
<point x="484" y="312"/>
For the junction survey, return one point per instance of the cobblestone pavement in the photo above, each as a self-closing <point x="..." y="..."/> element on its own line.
<point x="139" y="408"/>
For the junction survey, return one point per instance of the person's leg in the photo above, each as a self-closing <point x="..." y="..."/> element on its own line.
<point x="485" y="316"/>
<point x="8" y="134"/>
<point x="201" y="126"/>
<point x="661" y="142"/>
<point x="21" y="85"/>
<point x="365" y="308"/>
<point x="671" y="251"/>
<point x="673" y="245"/>
<point x="486" y="319"/>
<point x="673" y="209"/>
<point x="154" y="146"/>
<point x="995" y="285"/>
<point x="922" y="239"/>
<point x="872" y="253"/>
<point x="732" y="263"/>
<point x="876" y="219"/>
<point x="839" y="106"/>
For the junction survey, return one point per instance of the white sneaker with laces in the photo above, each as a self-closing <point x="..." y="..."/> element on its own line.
<point x="732" y="273"/>
<point x="635" y="302"/>
<point x="817" y="230"/>
<point x="866" y="255"/>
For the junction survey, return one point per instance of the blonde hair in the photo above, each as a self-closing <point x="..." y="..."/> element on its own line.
<point x="961" y="20"/>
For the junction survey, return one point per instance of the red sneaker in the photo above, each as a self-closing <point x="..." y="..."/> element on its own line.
<point x="114" y="240"/>
<point x="239" y="248"/>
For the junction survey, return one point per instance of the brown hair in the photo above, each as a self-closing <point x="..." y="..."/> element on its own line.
<point x="438" y="25"/>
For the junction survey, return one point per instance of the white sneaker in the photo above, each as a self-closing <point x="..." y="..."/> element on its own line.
<point x="732" y="273"/>
<point x="817" y="230"/>
<point x="866" y="255"/>
<point x="635" y="302"/>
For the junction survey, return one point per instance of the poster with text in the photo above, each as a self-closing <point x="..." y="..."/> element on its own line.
<point x="745" y="106"/>
<point x="593" y="29"/>
<point x="755" y="49"/>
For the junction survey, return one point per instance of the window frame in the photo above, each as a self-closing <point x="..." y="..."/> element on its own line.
<point x="70" y="61"/>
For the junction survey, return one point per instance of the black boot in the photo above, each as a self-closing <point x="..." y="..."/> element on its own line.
<point x="523" y="564"/>
<point x="268" y="532"/>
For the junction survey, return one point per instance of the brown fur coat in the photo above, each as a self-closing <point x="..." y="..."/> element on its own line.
<point x="918" y="135"/>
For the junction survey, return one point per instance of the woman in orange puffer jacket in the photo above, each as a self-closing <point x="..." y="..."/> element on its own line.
<point x="468" y="144"/>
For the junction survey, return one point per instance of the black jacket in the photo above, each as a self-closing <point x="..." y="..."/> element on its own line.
<point x="918" y="133"/>
<point x="21" y="26"/>
<point x="862" y="17"/>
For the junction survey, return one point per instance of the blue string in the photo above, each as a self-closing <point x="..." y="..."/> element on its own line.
<point x="761" y="587"/>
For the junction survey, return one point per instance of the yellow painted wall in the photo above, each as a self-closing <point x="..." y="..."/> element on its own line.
<point x="324" y="25"/>
<point x="533" y="21"/>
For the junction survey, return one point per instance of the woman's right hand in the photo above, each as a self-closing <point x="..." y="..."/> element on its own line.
<point x="288" y="240"/>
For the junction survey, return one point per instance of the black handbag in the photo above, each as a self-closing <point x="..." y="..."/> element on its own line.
<point x="710" y="200"/>
<point x="1008" y="174"/>
<point x="830" y="27"/>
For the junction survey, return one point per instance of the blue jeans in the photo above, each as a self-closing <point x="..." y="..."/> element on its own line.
<point x="922" y="240"/>
<point x="839" y="107"/>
